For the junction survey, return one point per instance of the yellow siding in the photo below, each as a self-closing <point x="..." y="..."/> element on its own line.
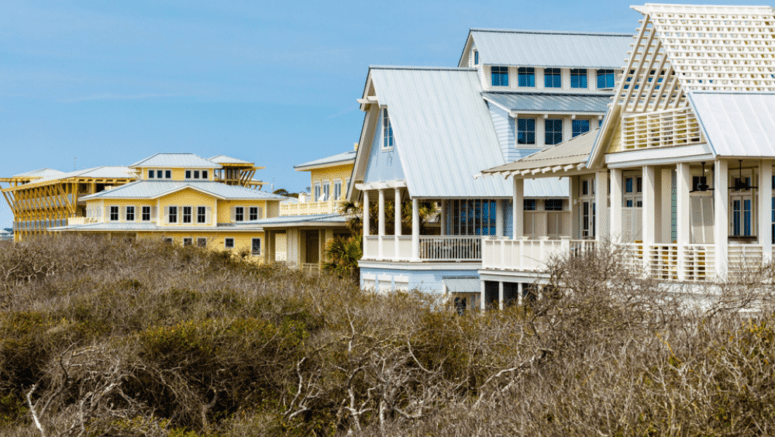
<point x="178" y="174"/>
<point x="224" y="208"/>
<point x="215" y="240"/>
<point x="187" y="197"/>
<point x="329" y="176"/>
<point x="616" y="141"/>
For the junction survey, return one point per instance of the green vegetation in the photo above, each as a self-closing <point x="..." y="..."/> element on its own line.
<point x="106" y="337"/>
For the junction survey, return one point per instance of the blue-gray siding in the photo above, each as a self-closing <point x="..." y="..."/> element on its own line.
<point x="429" y="281"/>
<point x="383" y="165"/>
<point x="504" y="129"/>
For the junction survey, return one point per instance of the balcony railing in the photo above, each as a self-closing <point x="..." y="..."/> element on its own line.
<point x="529" y="255"/>
<point x="310" y="208"/>
<point x="81" y="220"/>
<point x="432" y="248"/>
<point x="675" y="127"/>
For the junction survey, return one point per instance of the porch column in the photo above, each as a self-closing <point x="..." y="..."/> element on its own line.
<point x="499" y="218"/>
<point x="649" y="212"/>
<point x="381" y="224"/>
<point x="617" y="183"/>
<point x="573" y="201"/>
<point x="500" y="295"/>
<point x="721" y="216"/>
<point x="765" y="209"/>
<point x="481" y="296"/>
<point x="601" y="206"/>
<point x="415" y="229"/>
<point x="444" y="217"/>
<point x="518" y="208"/>
<point x="683" y="215"/>
<point x="397" y="226"/>
<point x="366" y="223"/>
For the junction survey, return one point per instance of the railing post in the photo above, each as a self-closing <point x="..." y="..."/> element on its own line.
<point x="649" y="212"/>
<point x="416" y="230"/>
<point x="500" y="295"/>
<point x="565" y="245"/>
<point x="381" y="224"/>
<point x="502" y="262"/>
<point x="765" y="211"/>
<point x="397" y="227"/>
<point x="366" y="223"/>
<point x="543" y="257"/>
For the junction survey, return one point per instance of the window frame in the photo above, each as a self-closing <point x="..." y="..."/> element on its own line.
<point x="117" y="213"/>
<point x="188" y="174"/>
<point x="172" y="216"/>
<point x="253" y="212"/>
<point x="574" y="130"/>
<point x="187" y="215"/>
<point x="553" y="131"/>
<point x="337" y="189"/>
<point x="527" y="132"/>
<point x="388" y="139"/>
<point x="553" y="75"/>
<point x="576" y="73"/>
<point x="550" y="205"/>
<point x="188" y="241"/>
<point x="132" y="209"/>
<point x="239" y="214"/>
<point x="200" y="241"/>
<point x="529" y="76"/>
<point x="201" y="215"/>
<point x="252" y="246"/>
<point x="143" y="213"/>
<point x="604" y="75"/>
<point x="228" y="243"/>
<point x="502" y="74"/>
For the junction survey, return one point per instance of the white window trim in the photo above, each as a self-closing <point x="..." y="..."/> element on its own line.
<point x="233" y="243"/>
<point x="385" y="114"/>
<point x="260" y="246"/>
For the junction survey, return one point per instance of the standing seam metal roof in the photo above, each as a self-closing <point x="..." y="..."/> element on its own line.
<point x="551" y="49"/>
<point x="443" y="130"/>
<point x="176" y="160"/>
<point x="153" y="189"/>
<point x="545" y="102"/>
<point x="339" y="158"/>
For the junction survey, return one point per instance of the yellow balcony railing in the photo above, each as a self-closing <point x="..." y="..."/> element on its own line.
<point x="310" y="208"/>
<point x="676" y="127"/>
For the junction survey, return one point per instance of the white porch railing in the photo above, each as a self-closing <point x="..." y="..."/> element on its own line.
<point x="699" y="262"/>
<point x="311" y="267"/>
<point x="310" y="208"/>
<point x="744" y="255"/>
<point x="674" y="127"/>
<point x="529" y="255"/>
<point x="663" y="261"/>
<point x="450" y="248"/>
<point x="81" y="220"/>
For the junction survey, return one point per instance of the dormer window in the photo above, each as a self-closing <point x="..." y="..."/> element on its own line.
<point x="476" y="57"/>
<point x="159" y="174"/>
<point x="500" y="76"/>
<point x="552" y="78"/>
<point x="387" y="131"/>
<point x="526" y="76"/>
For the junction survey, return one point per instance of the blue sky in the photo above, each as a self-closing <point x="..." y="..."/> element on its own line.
<point x="92" y="83"/>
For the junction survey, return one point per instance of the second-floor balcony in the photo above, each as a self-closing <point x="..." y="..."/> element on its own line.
<point x="430" y="248"/>
<point x="310" y="208"/>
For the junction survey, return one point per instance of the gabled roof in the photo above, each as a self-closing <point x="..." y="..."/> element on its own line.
<point x="155" y="189"/>
<point x="223" y="159"/>
<point x="104" y="172"/>
<point x="39" y="173"/>
<point x="443" y="131"/>
<point x="547" y="103"/>
<point x="299" y="220"/>
<point x="526" y="48"/>
<point x="339" y="159"/>
<point x="737" y="124"/>
<point x="175" y="160"/>
<point x="569" y="153"/>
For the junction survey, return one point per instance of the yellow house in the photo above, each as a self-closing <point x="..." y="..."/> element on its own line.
<point x="183" y="198"/>
<point x="299" y="235"/>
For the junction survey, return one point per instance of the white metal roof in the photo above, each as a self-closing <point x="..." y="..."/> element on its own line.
<point x="153" y="189"/>
<point x="341" y="158"/>
<point x="549" y="103"/>
<point x="569" y="153"/>
<point x="223" y="159"/>
<point x="176" y="160"/>
<point x="136" y="227"/>
<point x="443" y="131"/>
<point x="463" y="285"/>
<point x="551" y="49"/>
<point x="39" y="173"/>
<point x="104" y="172"/>
<point x="300" y="220"/>
<point x="737" y="124"/>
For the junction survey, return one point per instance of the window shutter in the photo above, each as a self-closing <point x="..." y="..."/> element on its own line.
<point x="122" y="213"/>
<point x="166" y="214"/>
<point x="209" y="216"/>
<point x="233" y="214"/>
<point x="153" y="213"/>
<point x="260" y="212"/>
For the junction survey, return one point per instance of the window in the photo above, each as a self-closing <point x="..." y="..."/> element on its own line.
<point x="114" y="213"/>
<point x="526" y="131"/>
<point x="130" y="213"/>
<point x="476" y="57"/>
<point x="188" y="174"/>
<point x="578" y="78"/>
<point x="605" y="79"/>
<point x="188" y="241"/>
<point x="579" y="127"/>
<point x="167" y="240"/>
<point x="387" y="131"/>
<point x="150" y="174"/>
<point x="255" y="246"/>
<point x="337" y="190"/>
<point x="526" y="76"/>
<point x="196" y="174"/>
<point x="326" y="192"/>
<point x="553" y="130"/>
<point x="228" y="243"/>
<point x="201" y="242"/>
<point x="471" y="217"/>
<point x="186" y="214"/>
<point x="239" y="213"/>
<point x="553" y="204"/>
<point x="204" y="174"/>
<point x="253" y="213"/>
<point x="500" y="76"/>
<point x="159" y="174"/>
<point x="741" y="217"/>
<point x="529" y="204"/>
<point x="168" y="174"/>
<point x="146" y="217"/>
<point x="316" y="198"/>
<point x="552" y="78"/>
<point x="173" y="215"/>
<point x="201" y="214"/>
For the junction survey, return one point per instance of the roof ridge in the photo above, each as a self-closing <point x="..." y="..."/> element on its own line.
<point x="404" y="67"/>
<point x="550" y="32"/>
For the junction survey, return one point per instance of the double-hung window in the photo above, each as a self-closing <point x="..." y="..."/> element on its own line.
<point x="204" y="174"/>
<point x="605" y="79"/>
<point x="326" y="192"/>
<point x="337" y="190"/>
<point x="159" y="174"/>
<point x="188" y="174"/>
<point x="255" y="246"/>
<point x="387" y="131"/>
<point x="526" y="131"/>
<point x="146" y="214"/>
<point x="173" y="214"/>
<point x="579" y="127"/>
<point x="186" y="214"/>
<point x="201" y="214"/>
<point x="201" y="242"/>
<point x="253" y="213"/>
<point x="552" y="78"/>
<point x="526" y="76"/>
<point x="196" y="174"/>
<point x="553" y="131"/>
<point x="500" y="76"/>
<point x="188" y="241"/>
<point x="130" y="213"/>
<point x="239" y="214"/>
<point x="578" y="78"/>
<point x="114" y="213"/>
<point x="167" y="174"/>
<point x="151" y="173"/>
<point x="317" y="193"/>
<point x="228" y="243"/>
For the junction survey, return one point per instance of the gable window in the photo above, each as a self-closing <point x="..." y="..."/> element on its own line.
<point x="553" y="204"/>
<point x="201" y="214"/>
<point x="476" y="57"/>
<point x="228" y="243"/>
<point x="253" y="213"/>
<point x="500" y="76"/>
<point x="605" y="79"/>
<point x="387" y="130"/>
<point x="146" y="214"/>
<point x="239" y="213"/>
<point x="578" y="78"/>
<point x="130" y="213"/>
<point x="580" y="127"/>
<point x="526" y="131"/>
<point x="114" y="213"/>
<point x="337" y="190"/>
<point x="526" y="76"/>
<point x="186" y="214"/>
<point x="173" y="214"/>
<point x="553" y="131"/>
<point x="552" y="78"/>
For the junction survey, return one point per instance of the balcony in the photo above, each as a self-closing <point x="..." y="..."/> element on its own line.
<point x="676" y="127"/>
<point x="529" y="255"/>
<point x="431" y="248"/>
<point x="72" y="221"/>
<point x="310" y="208"/>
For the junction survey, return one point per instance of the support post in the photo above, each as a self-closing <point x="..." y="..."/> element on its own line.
<point x="573" y="201"/>
<point x="601" y="206"/>
<point x="765" y="209"/>
<point x="415" y="229"/>
<point x="617" y="188"/>
<point x="683" y="223"/>
<point x="381" y="224"/>
<point x="444" y="217"/>
<point x="649" y="213"/>
<point x="482" y="297"/>
<point x="499" y="218"/>
<point x="397" y="226"/>
<point x="721" y="217"/>
<point x="366" y="224"/>
<point x="519" y="294"/>
<point x="500" y="295"/>
<point x="518" y="208"/>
